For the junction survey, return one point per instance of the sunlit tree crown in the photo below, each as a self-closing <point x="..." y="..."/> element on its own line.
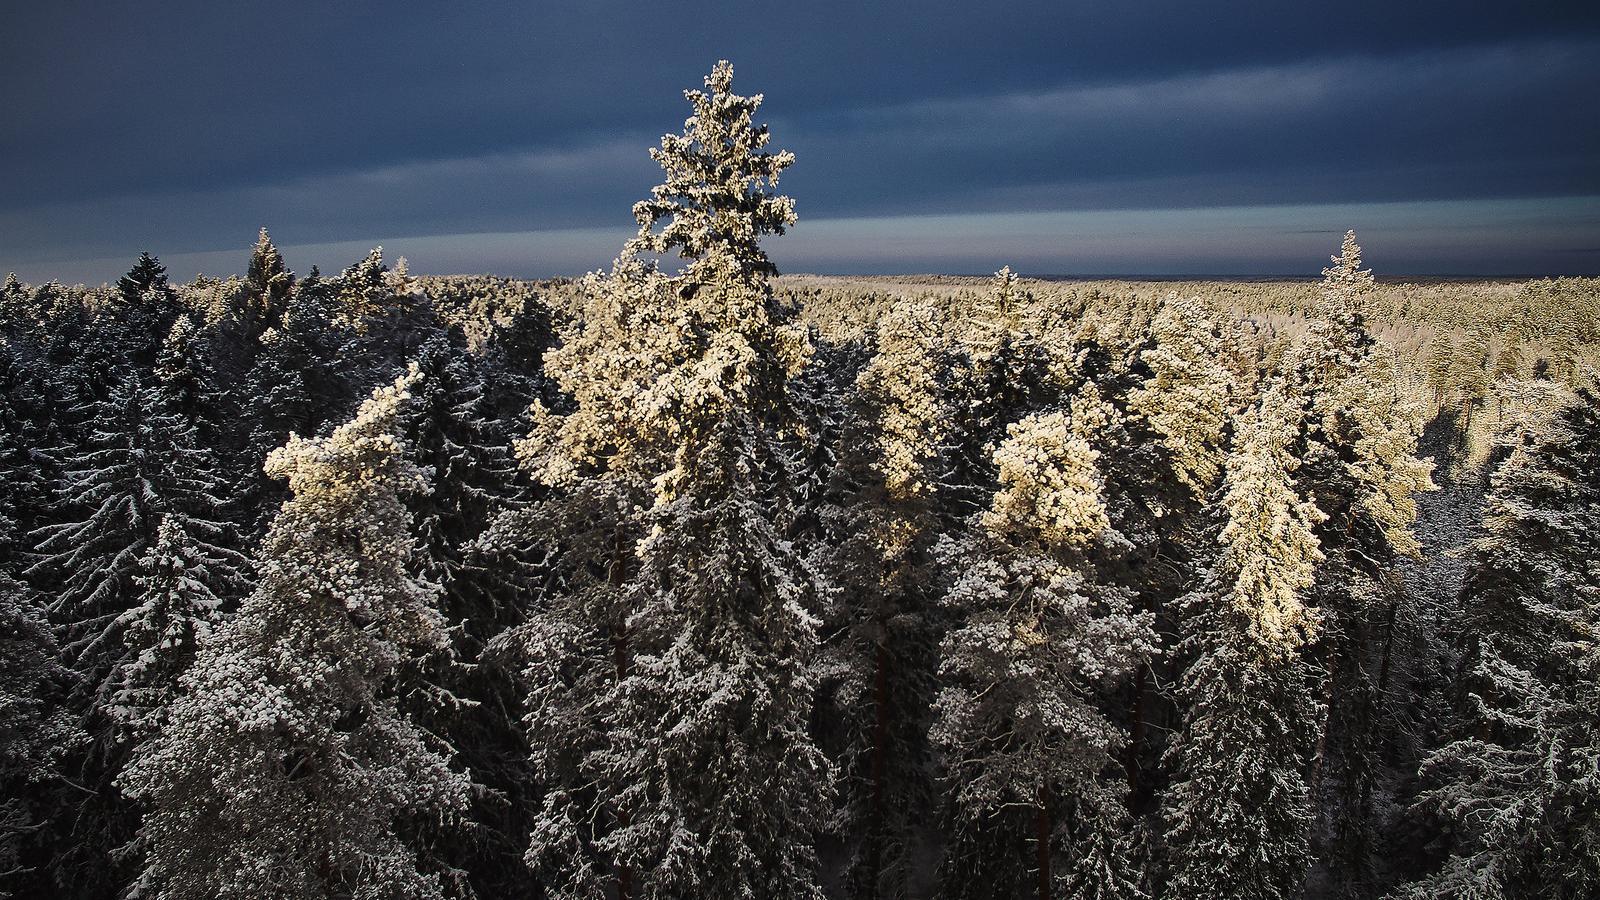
<point x="718" y="194"/>
<point x="1269" y="546"/>
<point x="1345" y="283"/>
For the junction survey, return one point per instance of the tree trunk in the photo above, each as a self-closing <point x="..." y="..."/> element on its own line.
<point x="1042" y="828"/>
<point x="1136" y="735"/>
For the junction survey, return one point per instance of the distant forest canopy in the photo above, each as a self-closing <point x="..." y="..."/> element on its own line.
<point x="704" y="581"/>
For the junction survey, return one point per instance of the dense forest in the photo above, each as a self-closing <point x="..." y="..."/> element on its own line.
<point x="684" y="579"/>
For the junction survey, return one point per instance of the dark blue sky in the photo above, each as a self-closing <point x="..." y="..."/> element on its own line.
<point x="1132" y="137"/>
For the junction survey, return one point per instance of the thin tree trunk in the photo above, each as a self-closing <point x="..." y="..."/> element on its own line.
<point x="1137" y="734"/>
<point x="1388" y="646"/>
<point x="1042" y="828"/>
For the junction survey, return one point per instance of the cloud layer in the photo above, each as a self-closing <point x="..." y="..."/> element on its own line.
<point x="188" y="129"/>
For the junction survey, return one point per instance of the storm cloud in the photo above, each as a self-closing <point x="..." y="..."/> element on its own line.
<point x="1185" y="132"/>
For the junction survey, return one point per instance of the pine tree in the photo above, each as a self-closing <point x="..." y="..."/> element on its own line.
<point x="450" y="431"/>
<point x="1237" y="810"/>
<point x="1029" y="757"/>
<point x="363" y="291"/>
<point x="704" y="779"/>
<point x="1471" y="372"/>
<point x="879" y="531"/>
<point x="290" y="713"/>
<point x="1518" y="790"/>
<point x="1441" y="363"/>
<point x="1508" y="362"/>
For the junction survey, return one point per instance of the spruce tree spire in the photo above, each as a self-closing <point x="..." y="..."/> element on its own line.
<point x="1345" y="283"/>
<point x="270" y="281"/>
<point x="680" y="389"/>
<point x="716" y="199"/>
<point x="147" y="275"/>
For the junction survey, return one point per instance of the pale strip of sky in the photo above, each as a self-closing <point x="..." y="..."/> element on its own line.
<point x="1466" y="237"/>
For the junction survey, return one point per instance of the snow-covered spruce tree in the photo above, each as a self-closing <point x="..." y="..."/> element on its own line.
<point x="1237" y="811"/>
<point x="24" y="502"/>
<point x="450" y="430"/>
<point x="36" y="731"/>
<point x="287" y="769"/>
<point x="16" y="310"/>
<point x="1031" y="763"/>
<point x="1359" y="467"/>
<point x="186" y="382"/>
<point x="297" y="381"/>
<point x="141" y="463"/>
<point x="1518" y="791"/>
<point x="36" y="728"/>
<point x="145" y="283"/>
<point x="579" y="542"/>
<point x="696" y="775"/>
<point x="879" y="529"/>
<point x="177" y="607"/>
<point x="270" y="284"/>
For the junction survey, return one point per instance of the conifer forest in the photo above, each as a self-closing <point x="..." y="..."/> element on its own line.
<point x="688" y="579"/>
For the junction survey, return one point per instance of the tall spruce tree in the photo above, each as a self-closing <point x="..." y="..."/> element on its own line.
<point x="297" y="382"/>
<point x="450" y="431"/>
<point x="177" y="606"/>
<point x="37" y="730"/>
<point x="1237" y="810"/>
<point x="287" y="768"/>
<point x="147" y="277"/>
<point x="1186" y="396"/>
<point x="699" y="775"/>
<point x="141" y="463"/>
